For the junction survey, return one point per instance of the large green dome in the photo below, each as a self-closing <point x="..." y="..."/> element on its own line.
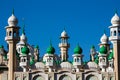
<point x="25" y="50"/>
<point x="50" y="50"/>
<point x="103" y="50"/>
<point x="77" y="50"/>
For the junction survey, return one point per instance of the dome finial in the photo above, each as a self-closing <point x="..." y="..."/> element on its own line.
<point x="64" y="28"/>
<point x="116" y="12"/>
<point x="104" y="31"/>
<point x="13" y="11"/>
<point x="50" y="42"/>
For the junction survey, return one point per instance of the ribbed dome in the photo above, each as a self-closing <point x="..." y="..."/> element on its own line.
<point x="50" y="50"/>
<point x="103" y="50"/>
<point x="66" y="65"/>
<point x="92" y="65"/>
<point x="12" y="20"/>
<point x="25" y="50"/>
<point x="104" y="39"/>
<point x="115" y="21"/>
<point x="64" y="34"/>
<point x="78" y="50"/>
<point x="39" y="65"/>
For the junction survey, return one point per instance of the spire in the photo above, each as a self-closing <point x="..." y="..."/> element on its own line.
<point x="104" y="31"/>
<point x="23" y="28"/>
<point x="13" y="11"/>
<point x="50" y="42"/>
<point x="116" y="12"/>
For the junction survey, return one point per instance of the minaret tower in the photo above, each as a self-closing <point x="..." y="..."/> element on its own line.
<point x="12" y="37"/>
<point x="64" y="45"/>
<point x="115" y="39"/>
<point x="92" y="53"/>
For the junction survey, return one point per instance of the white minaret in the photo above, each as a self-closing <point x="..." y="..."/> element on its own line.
<point x="64" y="45"/>
<point x="24" y="58"/>
<point x="12" y="37"/>
<point x="115" y="39"/>
<point x="103" y="58"/>
<point x="49" y="62"/>
<point x="77" y="58"/>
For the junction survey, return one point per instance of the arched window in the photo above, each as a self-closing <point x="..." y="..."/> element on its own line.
<point x="10" y="33"/>
<point x="114" y="33"/>
<point x="14" y="34"/>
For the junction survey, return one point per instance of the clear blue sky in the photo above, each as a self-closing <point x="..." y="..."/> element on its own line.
<point x="84" y="20"/>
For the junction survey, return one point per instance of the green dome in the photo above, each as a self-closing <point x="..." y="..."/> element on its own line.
<point x="1" y="46"/>
<point x="103" y="50"/>
<point x="25" y="50"/>
<point x="78" y="50"/>
<point x="110" y="56"/>
<point x="50" y="50"/>
<point x="93" y="47"/>
<point x="37" y="47"/>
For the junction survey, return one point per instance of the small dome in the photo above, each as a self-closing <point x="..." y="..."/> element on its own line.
<point x="64" y="34"/>
<point x="36" y="47"/>
<point x="40" y="65"/>
<point x="25" y="50"/>
<point x="92" y="65"/>
<point x="103" y="50"/>
<point x="1" y="46"/>
<point x="66" y="65"/>
<point x="23" y="37"/>
<point x="50" y="50"/>
<point x="115" y="21"/>
<point x="104" y="39"/>
<point x="12" y="20"/>
<point x="78" y="50"/>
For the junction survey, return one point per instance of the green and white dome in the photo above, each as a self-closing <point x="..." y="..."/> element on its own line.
<point x="103" y="50"/>
<point x="25" y="50"/>
<point x="77" y="50"/>
<point x="50" y="49"/>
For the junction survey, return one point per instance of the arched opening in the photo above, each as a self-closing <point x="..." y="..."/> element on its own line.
<point x="10" y="33"/>
<point x="65" y="77"/>
<point x="38" y="78"/>
<point x="14" y="34"/>
<point x="92" y="77"/>
<point x="114" y="33"/>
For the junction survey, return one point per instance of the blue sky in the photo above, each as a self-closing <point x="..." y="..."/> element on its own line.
<point x="84" y="21"/>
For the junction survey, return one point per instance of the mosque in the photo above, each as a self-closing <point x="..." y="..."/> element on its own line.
<point x="22" y="62"/>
